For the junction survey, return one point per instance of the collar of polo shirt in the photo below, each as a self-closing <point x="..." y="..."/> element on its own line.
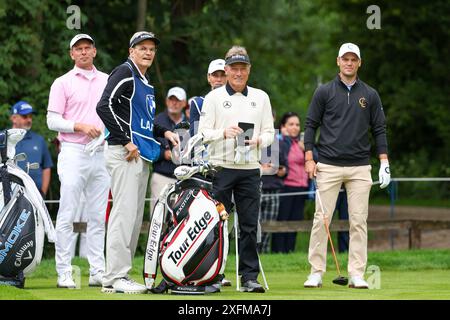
<point x="231" y="91"/>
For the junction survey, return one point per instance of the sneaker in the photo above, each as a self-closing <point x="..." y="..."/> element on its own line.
<point x="65" y="280"/>
<point x="314" y="281"/>
<point x="226" y="282"/>
<point x="125" y="285"/>
<point x="358" y="283"/>
<point x="252" y="286"/>
<point x="95" y="280"/>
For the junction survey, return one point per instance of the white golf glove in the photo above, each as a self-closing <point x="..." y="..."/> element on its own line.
<point x="384" y="174"/>
<point x="242" y="154"/>
<point x="94" y="144"/>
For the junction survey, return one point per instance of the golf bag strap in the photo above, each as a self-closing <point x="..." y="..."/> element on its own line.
<point x="3" y="145"/>
<point x="153" y="245"/>
<point x="6" y="184"/>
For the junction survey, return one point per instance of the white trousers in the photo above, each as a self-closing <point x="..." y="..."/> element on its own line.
<point x="129" y="182"/>
<point x="79" y="217"/>
<point x="80" y="173"/>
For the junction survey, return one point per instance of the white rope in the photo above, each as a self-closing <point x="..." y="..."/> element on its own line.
<point x="289" y="194"/>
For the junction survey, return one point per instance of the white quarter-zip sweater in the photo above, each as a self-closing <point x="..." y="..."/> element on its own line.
<point x="222" y="108"/>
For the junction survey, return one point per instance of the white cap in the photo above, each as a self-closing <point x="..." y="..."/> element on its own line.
<point x="178" y="92"/>
<point x="79" y="37"/>
<point x="215" y="65"/>
<point x="349" y="47"/>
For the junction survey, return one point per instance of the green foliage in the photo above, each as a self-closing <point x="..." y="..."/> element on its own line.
<point x="292" y="46"/>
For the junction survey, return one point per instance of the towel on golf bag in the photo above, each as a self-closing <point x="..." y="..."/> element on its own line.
<point x="23" y="219"/>
<point x="188" y="241"/>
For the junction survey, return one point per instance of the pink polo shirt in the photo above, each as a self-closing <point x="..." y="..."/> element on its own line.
<point x="75" y="96"/>
<point x="297" y="176"/>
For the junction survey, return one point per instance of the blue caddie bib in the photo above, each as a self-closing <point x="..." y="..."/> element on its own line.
<point x="143" y="109"/>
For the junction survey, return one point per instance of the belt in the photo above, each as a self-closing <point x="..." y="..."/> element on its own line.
<point x="79" y="146"/>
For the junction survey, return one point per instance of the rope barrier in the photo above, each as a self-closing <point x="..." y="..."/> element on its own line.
<point x="288" y="194"/>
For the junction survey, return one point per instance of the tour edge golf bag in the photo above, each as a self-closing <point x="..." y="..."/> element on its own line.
<point x="188" y="234"/>
<point x="23" y="215"/>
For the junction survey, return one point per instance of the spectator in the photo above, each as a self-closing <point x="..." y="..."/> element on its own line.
<point x="163" y="168"/>
<point x="33" y="145"/>
<point x="272" y="184"/>
<point x="296" y="180"/>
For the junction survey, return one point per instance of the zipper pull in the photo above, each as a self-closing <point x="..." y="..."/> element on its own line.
<point x="348" y="98"/>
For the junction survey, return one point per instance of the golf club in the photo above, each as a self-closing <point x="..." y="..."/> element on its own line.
<point x="32" y="166"/>
<point x="340" y="280"/>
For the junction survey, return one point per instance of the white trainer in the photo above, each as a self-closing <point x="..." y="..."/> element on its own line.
<point x="95" y="280"/>
<point x="65" y="280"/>
<point x="358" y="283"/>
<point x="314" y="281"/>
<point x="125" y="285"/>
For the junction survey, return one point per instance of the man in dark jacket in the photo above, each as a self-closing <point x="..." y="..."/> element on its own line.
<point x="163" y="168"/>
<point x="344" y="109"/>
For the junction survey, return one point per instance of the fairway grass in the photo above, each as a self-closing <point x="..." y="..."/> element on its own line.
<point x="415" y="275"/>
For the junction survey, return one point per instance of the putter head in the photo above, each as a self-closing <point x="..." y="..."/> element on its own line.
<point x="341" y="281"/>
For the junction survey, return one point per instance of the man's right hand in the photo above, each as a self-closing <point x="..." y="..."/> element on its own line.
<point x="88" y="129"/>
<point x="311" y="168"/>
<point x="232" y="132"/>
<point x="133" y="152"/>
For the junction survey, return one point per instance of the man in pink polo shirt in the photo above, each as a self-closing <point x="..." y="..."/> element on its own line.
<point x="71" y="112"/>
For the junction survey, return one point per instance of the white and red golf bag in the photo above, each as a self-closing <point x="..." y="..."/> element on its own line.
<point x="188" y="235"/>
<point x="23" y="216"/>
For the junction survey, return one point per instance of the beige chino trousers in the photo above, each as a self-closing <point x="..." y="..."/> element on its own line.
<point x="357" y="181"/>
<point x="128" y="187"/>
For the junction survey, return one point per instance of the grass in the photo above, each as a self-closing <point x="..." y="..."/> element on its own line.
<point x="418" y="274"/>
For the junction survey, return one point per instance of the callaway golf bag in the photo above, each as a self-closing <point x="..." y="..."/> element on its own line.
<point x="23" y="215"/>
<point x="188" y="235"/>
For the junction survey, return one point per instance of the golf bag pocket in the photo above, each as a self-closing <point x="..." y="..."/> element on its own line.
<point x="21" y="235"/>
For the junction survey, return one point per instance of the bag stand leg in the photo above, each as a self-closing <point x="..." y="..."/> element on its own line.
<point x="262" y="273"/>
<point x="237" y="256"/>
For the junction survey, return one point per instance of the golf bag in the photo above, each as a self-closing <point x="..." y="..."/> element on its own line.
<point x="188" y="234"/>
<point x="23" y="216"/>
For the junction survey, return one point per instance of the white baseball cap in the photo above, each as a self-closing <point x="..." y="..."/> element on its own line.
<point x="216" y="65"/>
<point x="178" y="92"/>
<point x="349" y="47"/>
<point x="79" y="37"/>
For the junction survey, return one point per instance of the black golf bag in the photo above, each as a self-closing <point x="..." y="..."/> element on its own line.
<point x="23" y="217"/>
<point x="187" y="236"/>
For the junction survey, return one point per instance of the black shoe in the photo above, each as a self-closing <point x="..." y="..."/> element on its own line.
<point x="252" y="286"/>
<point x="161" y="288"/>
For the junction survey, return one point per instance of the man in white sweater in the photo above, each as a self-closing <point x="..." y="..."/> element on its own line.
<point x="227" y="112"/>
